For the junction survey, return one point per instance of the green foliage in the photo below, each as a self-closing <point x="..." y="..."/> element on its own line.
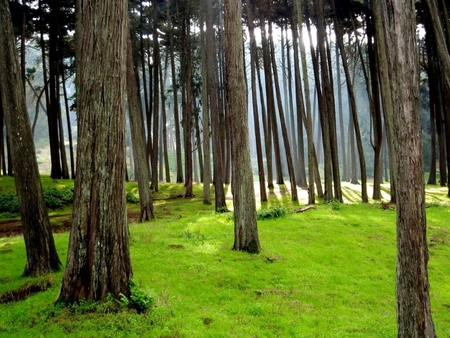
<point x="140" y="299"/>
<point x="335" y="205"/>
<point x="57" y="198"/>
<point x="9" y="204"/>
<point x="132" y="198"/>
<point x="273" y="212"/>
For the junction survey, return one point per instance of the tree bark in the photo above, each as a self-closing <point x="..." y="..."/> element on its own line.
<point x="175" y="106"/>
<point x="205" y="116"/>
<point x="98" y="261"/>
<point x="412" y="288"/>
<point x="220" y="202"/>
<point x="253" y="84"/>
<point x="42" y="256"/>
<point x="138" y="137"/>
<point x="352" y="98"/>
<point x="245" y="226"/>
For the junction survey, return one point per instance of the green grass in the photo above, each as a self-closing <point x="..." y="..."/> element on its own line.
<point x="328" y="272"/>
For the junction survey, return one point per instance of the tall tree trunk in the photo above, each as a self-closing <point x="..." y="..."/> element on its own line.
<point x="272" y="130"/>
<point x="2" y="139"/>
<point x="284" y="131"/>
<point x="98" y="261"/>
<point x="324" y="121"/>
<point x="220" y="202"/>
<point x="53" y="110"/>
<point x="22" y="44"/>
<point x="345" y="173"/>
<point x="253" y="85"/>
<point x="267" y="136"/>
<point x="245" y="226"/>
<point x="175" y="107"/>
<point x="412" y="288"/>
<point x="313" y="169"/>
<point x="138" y="137"/>
<point x="205" y="115"/>
<point x="188" y="104"/>
<point x="69" y="126"/>
<point x="362" y="161"/>
<point x="42" y="256"/>
<point x="156" y="89"/>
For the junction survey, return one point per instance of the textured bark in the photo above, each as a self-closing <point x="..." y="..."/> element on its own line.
<point x="211" y="70"/>
<point x="412" y="289"/>
<point x="138" y="137"/>
<point x="245" y="226"/>
<point x="98" y="261"/>
<point x="253" y="84"/>
<point x="42" y="257"/>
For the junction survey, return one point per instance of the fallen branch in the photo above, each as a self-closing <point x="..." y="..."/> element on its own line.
<point x="306" y="208"/>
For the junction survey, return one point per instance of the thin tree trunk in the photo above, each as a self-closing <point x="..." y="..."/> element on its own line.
<point x="205" y="115"/>
<point x="362" y="161"/>
<point x="175" y="107"/>
<point x="69" y="126"/>
<point x="156" y="112"/>
<point x="313" y="169"/>
<point x="284" y="131"/>
<point x="245" y="226"/>
<point x="138" y="137"/>
<point x="272" y="129"/>
<point x="42" y="257"/>
<point x="267" y="136"/>
<point x="220" y="202"/>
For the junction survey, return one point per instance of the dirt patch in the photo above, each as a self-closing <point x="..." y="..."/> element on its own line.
<point x="60" y="223"/>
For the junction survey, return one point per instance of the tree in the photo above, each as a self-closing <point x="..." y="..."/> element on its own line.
<point x="211" y="70"/>
<point x="42" y="257"/>
<point x="245" y="226"/>
<point x="398" y="38"/>
<point x="138" y="137"/>
<point x="98" y="261"/>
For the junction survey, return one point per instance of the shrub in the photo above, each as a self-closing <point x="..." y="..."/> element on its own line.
<point x="273" y="212"/>
<point x="131" y="198"/>
<point x="57" y="198"/>
<point x="140" y="300"/>
<point x="9" y="203"/>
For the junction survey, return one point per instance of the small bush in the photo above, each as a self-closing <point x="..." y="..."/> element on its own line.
<point x="273" y="212"/>
<point x="57" y="198"/>
<point x="9" y="203"/>
<point x="139" y="299"/>
<point x="132" y="198"/>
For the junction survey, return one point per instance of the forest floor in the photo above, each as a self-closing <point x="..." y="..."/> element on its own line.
<point x="327" y="272"/>
<point x="61" y="221"/>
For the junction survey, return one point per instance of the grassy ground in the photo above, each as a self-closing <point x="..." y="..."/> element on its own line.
<point x="328" y="272"/>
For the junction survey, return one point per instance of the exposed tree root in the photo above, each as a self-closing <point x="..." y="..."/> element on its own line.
<point x="26" y="290"/>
